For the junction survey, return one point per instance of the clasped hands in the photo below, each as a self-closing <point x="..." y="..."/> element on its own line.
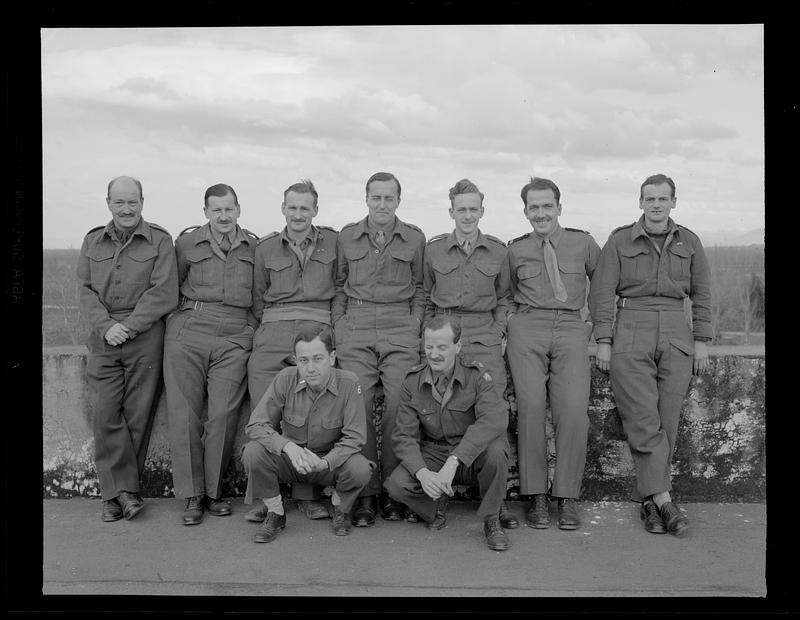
<point x="304" y="460"/>
<point x="117" y="334"/>
<point x="436" y="483"/>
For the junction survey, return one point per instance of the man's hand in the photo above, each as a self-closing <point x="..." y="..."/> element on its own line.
<point x="700" y="364"/>
<point x="431" y="483"/>
<point x="298" y="458"/>
<point x="603" y="358"/>
<point x="503" y="344"/>
<point x="116" y="334"/>
<point x="446" y="475"/>
<point x="316" y="463"/>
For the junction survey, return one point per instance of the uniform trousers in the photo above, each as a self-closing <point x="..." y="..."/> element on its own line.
<point x="265" y="472"/>
<point x="378" y="342"/>
<point x="548" y="355"/>
<point x="125" y="384"/>
<point x="489" y="471"/>
<point x="205" y="359"/>
<point x="651" y="367"/>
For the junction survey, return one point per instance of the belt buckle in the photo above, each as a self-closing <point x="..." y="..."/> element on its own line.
<point x="196" y="306"/>
<point x="624" y="301"/>
<point x="359" y="302"/>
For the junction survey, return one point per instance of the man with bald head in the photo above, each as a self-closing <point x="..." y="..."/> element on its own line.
<point x="128" y="282"/>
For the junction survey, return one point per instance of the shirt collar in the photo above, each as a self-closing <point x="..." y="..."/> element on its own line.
<point x="363" y="228"/>
<point x="554" y="237"/>
<point x="142" y="229"/>
<point x="638" y="228"/>
<point x="311" y="235"/>
<point x="331" y="386"/>
<point x="236" y="237"/>
<point x="455" y="239"/>
<point x="457" y="374"/>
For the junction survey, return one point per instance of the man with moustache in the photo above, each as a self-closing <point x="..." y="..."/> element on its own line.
<point x="547" y="352"/>
<point x="647" y="270"/>
<point x="208" y="342"/>
<point x="450" y="429"/>
<point x="128" y="282"/>
<point x="321" y="413"/>
<point x="293" y="285"/>
<point x="466" y="276"/>
<point x="377" y="312"/>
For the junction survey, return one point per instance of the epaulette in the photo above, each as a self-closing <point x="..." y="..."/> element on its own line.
<point x="417" y="228"/>
<point x="189" y="229"/>
<point x="480" y="367"/>
<point x="495" y="239"/>
<point x="157" y="227"/>
<point x="251" y="233"/>
<point x="325" y="227"/>
<point x="623" y="227"/>
<point x="585" y="232"/>
<point x="439" y="237"/>
<point x="686" y="229"/>
<point x="350" y="225"/>
<point x="94" y="229"/>
<point x="416" y="367"/>
<point x="269" y="236"/>
<point x="525" y="236"/>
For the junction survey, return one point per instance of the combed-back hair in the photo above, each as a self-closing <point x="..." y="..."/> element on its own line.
<point x="220" y="190"/>
<point x="657" y="179"/>
<point x="441" y="321"/>
<point x="383" y="176"/>
<point x="539" y="183"/>
<point x="305" y="186"/>
<point x="309" y="334"/>
<point x="464" y="186"/>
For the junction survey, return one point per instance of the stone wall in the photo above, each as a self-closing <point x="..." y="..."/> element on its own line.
<point x="720" y="455"/>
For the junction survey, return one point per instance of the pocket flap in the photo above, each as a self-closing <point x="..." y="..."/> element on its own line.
<point x="682" y="346"/>
<point x="488" y="269"/>
<point x="143" y="253"/>
<point x="402" y="254"/>
<point x="681" y="250"/>
<point x="100" y="252"/>
<point x="529" y="270"/>
<point x="634" y="251"/>
<point x="278" y="263"/>
<point x="571" y="267"/>
<point x="355" y="253"/>
<point x="323" y="257"/>
<point x="246" y="258"/>
<point x="444" y="267"/>
<point x="200" y="254"/>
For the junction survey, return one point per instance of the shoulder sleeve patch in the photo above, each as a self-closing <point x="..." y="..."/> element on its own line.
<point x="269" y="236"/>
<point x="417" y="228"/>
<point x="438" y="237"/>
<point x="487" y="377"/>
<point x="623" y="227"/>
<point x="585" y="232"/>
<point x="189" y="229"/>
<point x="495" y="239"/>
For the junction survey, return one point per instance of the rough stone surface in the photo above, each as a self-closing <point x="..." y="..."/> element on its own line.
<point x="720" y="454"/>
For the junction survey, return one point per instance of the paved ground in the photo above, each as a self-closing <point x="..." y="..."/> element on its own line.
<point x="723" y="555"/>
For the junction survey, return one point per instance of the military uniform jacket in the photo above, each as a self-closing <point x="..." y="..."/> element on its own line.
<point x="475" y="283"/>
<point x="631" y="266"/>
<point x="333" y="426"/>
<point x="205" y="274"/>
<point x="279" y="277"/>
<point x="134" y="284"/>
<point x="468" y="417"/>
<point x="391" y="275"/>
<point x="577" y="254"/>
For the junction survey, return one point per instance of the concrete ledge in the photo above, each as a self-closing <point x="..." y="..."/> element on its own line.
<point x="720" y="455"/>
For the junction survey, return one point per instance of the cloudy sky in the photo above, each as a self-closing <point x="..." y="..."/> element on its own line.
<point x="595" y="108"/>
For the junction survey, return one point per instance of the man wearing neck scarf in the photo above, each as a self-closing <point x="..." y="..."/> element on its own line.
<point x="646" y="272"/>
<point x="206" y="349"/>
<point x="548" y="352"/>
<point x="128" y="283"/>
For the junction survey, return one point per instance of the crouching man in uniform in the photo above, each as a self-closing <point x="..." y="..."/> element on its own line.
<point x="450" y="429"/>
<point x="320" y="410"/>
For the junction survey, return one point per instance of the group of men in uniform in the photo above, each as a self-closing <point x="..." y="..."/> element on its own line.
<point x="311" y="322"/>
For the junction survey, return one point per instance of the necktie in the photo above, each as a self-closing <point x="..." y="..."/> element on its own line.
<point x="380" y="238"/>
<point x="467" y="246"/>
<point x="225" y="245"/>
<point x="441" y="383"/>
<point x="551" y="262"/>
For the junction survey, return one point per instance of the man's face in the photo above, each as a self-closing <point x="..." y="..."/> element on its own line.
<point x="125" y="204"/>
<point x="542" y="210"/>
<point x="222" y="212"/>
<point x="440" y="349"/>
<point x="299" y="210"/>
<point x="382" y="201"/>
<point x="467" y="211"/>
<point x="656" y="202"/>
<point x="314" y="363"/>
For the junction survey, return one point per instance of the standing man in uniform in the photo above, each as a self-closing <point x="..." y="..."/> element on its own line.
<point x="653" y="265"/>
<point x="206" y="348"/>
<point x="466" y="276"/>
<point x="548" y="354"/>
<point x="128" y="282"/>
<point x="377" y="313"/>
<point x="293" y="285"/>
<point x="320" y="412"/>
<point x="451" y="429"/>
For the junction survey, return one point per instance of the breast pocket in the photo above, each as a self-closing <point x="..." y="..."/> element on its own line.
<point x="448" y="284"/>
<point x="400" y="269"/>
<point x="357" y="264"/>
<point x="204" y="268"/>
<point x="320" y="273"/>
<point x="573" y="275"/>
<point x="634" y="264"/>
<point x="140" y="266"/>
<point x="428" y="416"/>
<point x="485" y="275"/>
<point x="463" y="416"/>
<point x="100" y="260"/>
<point x="680" y="263"/>
<point x="530" y="276"/>
<point x="295" y="418"/>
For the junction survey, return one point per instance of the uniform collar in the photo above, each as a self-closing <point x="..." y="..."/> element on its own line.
<point x="458" y="374"/>
<point x="206" y="234"/>
<point x="638" y="228"/>
<point x="453" y="240"/>
<point x="331" y="386"/>
<point x="363" y="228"/>
<point x="554" y="237"/>
<point x="311" y="235"/>
<point x="142" y="229"/>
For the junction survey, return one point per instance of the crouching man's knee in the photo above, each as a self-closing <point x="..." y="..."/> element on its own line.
<point x="358" y="468"/>
<point x="496" y="453"/>
<point x="253" y="455"/>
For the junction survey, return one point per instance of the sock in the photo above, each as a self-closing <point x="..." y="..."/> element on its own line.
<point x="335" y="499"/>
<point x="274" y="504"/>
<point x="661" y="498"/>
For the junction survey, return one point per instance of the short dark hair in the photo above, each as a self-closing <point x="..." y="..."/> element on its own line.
<point x="115" y="179"/>
<point x="309" y="334"/>
<point x="383" y="176"/>
<point x="305" y="186"/>
<point x="220" y="190"/>
<point x="464" y="186"/>
<point x="440" y="321"/>
<point x="657" y="179"/>
<point x="539" y="183"/>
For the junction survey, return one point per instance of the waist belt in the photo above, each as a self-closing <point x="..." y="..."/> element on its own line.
<point x="528" y="309"/>
<point x="216" y="307"/>
<point x="438" y="442"/>
<point x="651" y="303"/>
<point x="460" y="312"/>
<point x="353" y="302"/>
